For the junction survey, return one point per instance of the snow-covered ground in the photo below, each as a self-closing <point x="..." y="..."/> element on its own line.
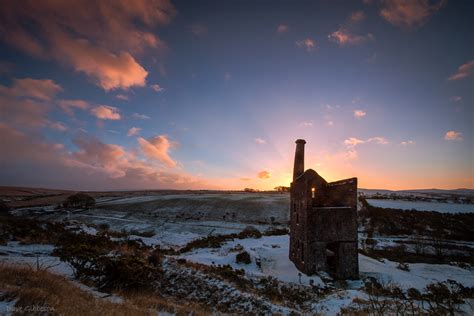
<point x="422" y="206"/>
<point x="273" y="254"/>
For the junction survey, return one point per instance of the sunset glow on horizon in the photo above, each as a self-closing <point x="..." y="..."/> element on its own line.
<point x="125" y="95"/>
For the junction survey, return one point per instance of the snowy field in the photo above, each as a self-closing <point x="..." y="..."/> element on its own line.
<point x="422" y="206"/>
<point x="272" y="252"/>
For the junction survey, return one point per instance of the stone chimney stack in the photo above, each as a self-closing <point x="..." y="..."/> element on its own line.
<point x="298" y="169"/>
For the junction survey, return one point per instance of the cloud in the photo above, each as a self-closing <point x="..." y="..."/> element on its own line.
<point x="408" y="13"/>
<point x="260" y="141"/>
<point x="93" y="37"/>
<point x="453" y="135"/>
<point x="378" y="140"/>
<point x="122" y="97"/>
<point x="93" y="166"/>
<point x="306" y="124"/>
<point x="68" y="105"/>
<point x="464" y="71"/>
<point x="407" y="143"/>
<point x="353" y="141"/>
<point x="199" y="29"/>
<point x="359" y="114"/>
<point x="455" y="99"/>
<point x="140" y="116"/>
<point x="307" y="44"/>
<point x="41" y="89"/>
<point x="27" y="102"/>
<point x="105" y="112"/>
<point x="59" y="126"/>
<point x="157" y="148"/>
<point x="157" y="88"/>
<point x="264" y="175"/>
<point x="109" y="71"/>
<point x="227" y="76"/>
<point x="344" y="37"/>
<point x="357" y="17"/>
<point x="134" y="131"/>
<point x="282" y="28"/>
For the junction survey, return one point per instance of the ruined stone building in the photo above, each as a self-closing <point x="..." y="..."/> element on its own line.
<point x="323" y="229"/>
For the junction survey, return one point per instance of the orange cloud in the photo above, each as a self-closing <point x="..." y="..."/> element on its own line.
<point x="110" y="71"/>
<point x="94" y="37"/>
<point x="408" y="13"/>
<point x="453" y="135"/>
<point x="464" y="71"/>
<point x="157" y="148"/>
<point x="105" y="112"/>
<point x="264" y="175"/>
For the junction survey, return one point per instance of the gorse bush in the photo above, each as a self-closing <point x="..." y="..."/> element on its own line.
<point x="81" y="200"/>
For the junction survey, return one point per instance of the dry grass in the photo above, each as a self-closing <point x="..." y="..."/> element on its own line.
<point x="55" y="293"/>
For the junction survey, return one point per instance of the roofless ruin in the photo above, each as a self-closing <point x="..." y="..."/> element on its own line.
<point x="323" y="222"/>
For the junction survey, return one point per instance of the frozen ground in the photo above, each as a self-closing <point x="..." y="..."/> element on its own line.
<point x="423" y="206"/>
<point x="272" y="251"/>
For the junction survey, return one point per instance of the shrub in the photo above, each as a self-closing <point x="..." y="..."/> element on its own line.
<point x="4" y="208"/>
<point x="243" y="257"/>
<point x="81" y="200"/>
<point x="250" y="232"/>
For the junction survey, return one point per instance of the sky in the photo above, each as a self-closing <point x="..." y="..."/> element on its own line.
<point x="122" y="95"/>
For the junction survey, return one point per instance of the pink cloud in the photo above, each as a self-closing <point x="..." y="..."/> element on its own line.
<point x="105" y="112"/>
<point x="27" y="102"/>
<point x="199" y="29"/>
<point x="344" y="37"/>
<point x="307" y="44"/>
<point x="41" y="89"/>
<point x="407" y="143"/>
<point x="96" y="38"/>
<point x="133" y="131"/>
<point x="282" y="28"/>
<point x="260" y="141"/>
<point x="306" y="124"/>
<point x="157" y="148"/>
<point x="68" y="105"/>
<point x="359" y="113"/>
<point x="59" y="126"/>
<point x="264" y="175"/>
<point x="453" y="135"/>
<point x="455" y="99"/>
<point x="408" y="13"/>
<point x="464" y="71"/>
<point x="357" y="17"/>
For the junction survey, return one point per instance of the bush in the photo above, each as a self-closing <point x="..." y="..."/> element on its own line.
<point x="250" y="232"/>
<point x="81" y="200"/>
<point x="4" y="208"/>
<point x="243" y="257"/>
